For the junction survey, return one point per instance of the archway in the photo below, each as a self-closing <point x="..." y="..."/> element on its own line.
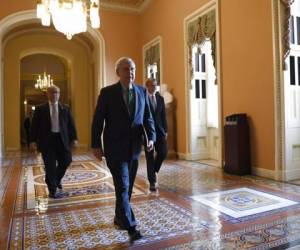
<point x="29" y="17"/>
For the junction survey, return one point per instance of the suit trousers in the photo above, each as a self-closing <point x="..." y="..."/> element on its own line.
<point x="56" y="159"/>
<point x="154" y="161"/>
<point x="123" y="174"/>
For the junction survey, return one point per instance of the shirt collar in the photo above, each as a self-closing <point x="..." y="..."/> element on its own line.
<point x="125" y="88"/>
<point x="50" y="103"/>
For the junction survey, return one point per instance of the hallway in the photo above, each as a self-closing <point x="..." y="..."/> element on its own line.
<point x="190" y="211"/>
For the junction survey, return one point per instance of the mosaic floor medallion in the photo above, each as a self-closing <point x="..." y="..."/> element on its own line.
<point x="83" y="181"/>
<point x="279" y="234"/>
<point x="93" y="227"/>
<point x="242" y="202"/>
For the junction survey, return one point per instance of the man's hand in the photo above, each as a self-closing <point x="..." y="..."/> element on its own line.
<point x="98" y="153"/>
<point x="150" y="145"/>
<point x="33" y="147"/>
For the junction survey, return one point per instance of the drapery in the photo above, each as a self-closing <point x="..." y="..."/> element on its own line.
<point x="152" y="55"/>
<point x="198" y="31"/>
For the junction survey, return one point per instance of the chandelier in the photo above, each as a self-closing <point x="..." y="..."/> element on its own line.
<point x="44" y="83"/>
<point x="69" y="16"/>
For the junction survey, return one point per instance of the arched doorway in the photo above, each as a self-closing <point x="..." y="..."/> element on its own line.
<point x="11" y="23"/>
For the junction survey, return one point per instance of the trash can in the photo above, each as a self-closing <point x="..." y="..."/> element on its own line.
<point x="237" y="145"/>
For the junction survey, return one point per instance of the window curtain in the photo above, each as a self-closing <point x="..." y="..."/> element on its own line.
<point x="152" y="56"/>
<point x="285" y="16"/>
<point x="198" y="31"/>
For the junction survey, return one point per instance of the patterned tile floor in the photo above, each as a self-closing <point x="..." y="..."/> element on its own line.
<point x="190" y="210"/>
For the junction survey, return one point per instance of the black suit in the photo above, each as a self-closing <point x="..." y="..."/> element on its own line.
<point x="160" y="146"/>
<point x="123" y="140"/>
<point x="55" y="147"/>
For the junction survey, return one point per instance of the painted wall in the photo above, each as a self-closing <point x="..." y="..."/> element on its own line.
<point x="246" y="64"/>
<point x="166" y="18"/>
<point x="121" y="33"/>
<point x="74" y="53"/>
<point x="247" y="72"/>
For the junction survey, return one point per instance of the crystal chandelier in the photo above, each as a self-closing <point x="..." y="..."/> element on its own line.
<point x="69" y="16"/>
<point x="44" y="83"/>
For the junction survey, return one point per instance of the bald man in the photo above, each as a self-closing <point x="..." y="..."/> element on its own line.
<point x="53" y="133"/>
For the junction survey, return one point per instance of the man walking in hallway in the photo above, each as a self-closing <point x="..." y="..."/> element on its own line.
<point x="158" y="111"/>
<point x="122" y="114"/>
<point x="53" y="133"/>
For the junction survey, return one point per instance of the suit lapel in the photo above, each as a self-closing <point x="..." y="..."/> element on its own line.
<point x="48" y="116"/>
<point x="135" y="93"/>
<point x="60" y="115"/>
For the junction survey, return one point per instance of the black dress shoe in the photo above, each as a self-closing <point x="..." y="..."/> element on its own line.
<point x="152" y="188"/>
<point x="53" y="195"/>
<point x="135" y="235"/>
<point x="59" y="185"/>
<point x="119" y="225"/>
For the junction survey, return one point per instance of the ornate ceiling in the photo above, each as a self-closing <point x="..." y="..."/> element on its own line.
<point x="125" y="5"/>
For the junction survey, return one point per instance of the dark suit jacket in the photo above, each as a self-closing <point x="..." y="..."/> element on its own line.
<point x="159" y="116"/>
<point x="41" y="126"/>
<point x="122" y="135"/>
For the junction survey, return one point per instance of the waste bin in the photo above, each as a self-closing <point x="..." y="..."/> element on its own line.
<point x="237" y="145"/>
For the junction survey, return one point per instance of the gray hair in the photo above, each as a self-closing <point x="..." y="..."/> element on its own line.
<point x="121" y="60"/>
<point x="151" y="80"/>
<point x="53" y="87"/>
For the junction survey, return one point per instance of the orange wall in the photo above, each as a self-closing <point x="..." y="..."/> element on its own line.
<point x="166" y="18"/>
<point x="121" y="32"/>
<point x="246" y="64"/>
<point x="246" y="58"/>
<point x="247" y="72"/>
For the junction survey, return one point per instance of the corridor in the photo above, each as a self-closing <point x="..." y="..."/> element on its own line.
<point x="196" y="207"/>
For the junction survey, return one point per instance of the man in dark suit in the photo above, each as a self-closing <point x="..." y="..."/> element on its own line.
<point x="53" y="133"/>
<point x="158" y="111"/>
<point x="27" y="126"/>
<point x="124" y="109"/>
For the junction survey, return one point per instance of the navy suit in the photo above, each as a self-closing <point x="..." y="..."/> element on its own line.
<point x="55" y="147"/>
<point x="160" y="146"/>
<point x="123" y="139"/>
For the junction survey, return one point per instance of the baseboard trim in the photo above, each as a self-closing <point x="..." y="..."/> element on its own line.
<point x="262" y="172"/>
<point x="192" y="157"/>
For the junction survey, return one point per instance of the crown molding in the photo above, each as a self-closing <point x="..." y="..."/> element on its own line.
<point x="138" y="9"/>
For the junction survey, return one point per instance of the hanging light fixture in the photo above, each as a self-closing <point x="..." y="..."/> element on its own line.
<point x="69" y="16"/>
<point x="43" y="83"/>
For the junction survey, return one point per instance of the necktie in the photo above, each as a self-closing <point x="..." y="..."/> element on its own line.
<point x="54" y="118"/>
<point x="153" y="101"/>
<point x="130" y="101"/>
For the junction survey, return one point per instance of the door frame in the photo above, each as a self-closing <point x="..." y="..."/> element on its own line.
<point x="211" y="5"/>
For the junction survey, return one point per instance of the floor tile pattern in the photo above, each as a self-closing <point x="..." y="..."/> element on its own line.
<point x="266" y="236"/>
<point x="90" y="228"/>
<point x="84" y="181"/>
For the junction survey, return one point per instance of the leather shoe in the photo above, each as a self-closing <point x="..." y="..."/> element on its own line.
<point x="59" y="185"/>
<point x="119" y="225"/>
<point x="53" y="195"/>
<point x="135" y="235"/>
<point x="152" y="188"/>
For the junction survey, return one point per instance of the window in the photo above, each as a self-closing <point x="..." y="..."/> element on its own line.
<point x="152" y="71"/>
<point x="205" y="91"/>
